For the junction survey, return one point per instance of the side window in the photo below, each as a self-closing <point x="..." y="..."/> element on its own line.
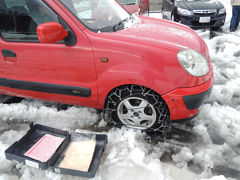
<point x="19" y="19"/>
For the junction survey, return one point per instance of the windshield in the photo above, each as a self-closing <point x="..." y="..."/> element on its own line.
<point x="97" y="15"/>
<point x="128" y="2"/>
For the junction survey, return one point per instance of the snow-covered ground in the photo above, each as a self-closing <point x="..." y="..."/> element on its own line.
<point x="211" y="150"/>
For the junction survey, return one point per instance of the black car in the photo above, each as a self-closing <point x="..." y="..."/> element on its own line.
<point x="195" y="13"/>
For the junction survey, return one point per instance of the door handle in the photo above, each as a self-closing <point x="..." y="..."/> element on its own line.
<point x="8" y="53"/>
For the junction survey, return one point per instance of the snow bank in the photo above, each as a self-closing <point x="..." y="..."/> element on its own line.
<point x="48" y="114"/>
<point x="128" y="156"/>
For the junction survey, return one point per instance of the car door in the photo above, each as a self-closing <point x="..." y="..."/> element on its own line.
<point x="51" y="71"/>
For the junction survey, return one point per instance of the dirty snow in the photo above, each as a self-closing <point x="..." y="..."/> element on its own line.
<point x="213" y="140"/>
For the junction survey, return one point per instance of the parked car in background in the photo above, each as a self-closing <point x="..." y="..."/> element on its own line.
<point x="140" y="7"/>
<point x="142" y="71"/>
<point x="195" y="13"/>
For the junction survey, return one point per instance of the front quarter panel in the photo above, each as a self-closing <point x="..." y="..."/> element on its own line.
<point x="132" y="63"/>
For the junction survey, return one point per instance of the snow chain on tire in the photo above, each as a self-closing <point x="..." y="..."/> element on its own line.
<point x="162" y="123"/>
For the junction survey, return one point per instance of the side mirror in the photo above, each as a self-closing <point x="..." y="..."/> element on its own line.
<point x="51" y="32"/>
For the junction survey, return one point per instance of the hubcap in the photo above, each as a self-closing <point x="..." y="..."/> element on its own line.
<point x="136" y="113"/>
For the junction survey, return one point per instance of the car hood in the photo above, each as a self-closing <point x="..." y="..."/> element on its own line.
<point x="131" y="8"/>
<point x="161" y="34"/>
<point x="199" y="5"/>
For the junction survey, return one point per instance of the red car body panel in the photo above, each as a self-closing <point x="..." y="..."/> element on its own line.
<point x="144" y="54"/>
<point x="134" y="68"/>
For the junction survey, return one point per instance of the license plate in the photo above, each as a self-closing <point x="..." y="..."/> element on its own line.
<point x="204" y="19"/>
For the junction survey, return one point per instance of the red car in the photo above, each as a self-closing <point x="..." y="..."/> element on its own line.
<point x="141" y="71"/>
<point x="136" y="6"/>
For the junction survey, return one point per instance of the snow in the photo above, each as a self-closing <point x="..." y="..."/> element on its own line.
<point x="132" y="20"/>
<point x="47" y="114"/>
<point x="128" y="155"/>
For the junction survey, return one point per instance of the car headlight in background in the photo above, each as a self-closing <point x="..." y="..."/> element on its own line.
<point x="222" y="11"/>
<point x="184" y="12"/>
<point x="193" y="62"/>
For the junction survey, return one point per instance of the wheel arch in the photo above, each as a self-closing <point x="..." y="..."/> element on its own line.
<point x="104" y="91"/>
<point x="161" y="76"/>
<point x="109" y="92"/>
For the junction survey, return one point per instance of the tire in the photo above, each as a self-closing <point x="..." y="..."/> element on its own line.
<point x="138" y="107"/>
<point x="5" y="99"/>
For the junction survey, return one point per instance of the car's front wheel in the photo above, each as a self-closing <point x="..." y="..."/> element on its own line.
<point x="138" y="107"/>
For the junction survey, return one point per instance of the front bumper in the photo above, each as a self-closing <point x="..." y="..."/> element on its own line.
<point x="196" y="100"/>
<point x="193" y="21"/>
<point x="184" y="103"/>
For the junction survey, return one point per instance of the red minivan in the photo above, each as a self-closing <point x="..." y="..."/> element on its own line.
<point x="140" y="7"/>
<point x="142" y="71"/>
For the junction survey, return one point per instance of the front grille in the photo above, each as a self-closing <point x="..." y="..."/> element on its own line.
<point x="205" y="12"/>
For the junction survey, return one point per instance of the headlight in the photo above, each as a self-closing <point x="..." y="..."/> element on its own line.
<point x="184" y="12"/>
<point x="222" y="11"/>
<point x="193" y="62"/>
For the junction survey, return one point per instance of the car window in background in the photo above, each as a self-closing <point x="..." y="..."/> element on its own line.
<point x="97" y="15"/>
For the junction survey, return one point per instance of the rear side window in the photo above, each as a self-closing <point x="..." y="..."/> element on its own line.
<point x="19" y="19"/>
